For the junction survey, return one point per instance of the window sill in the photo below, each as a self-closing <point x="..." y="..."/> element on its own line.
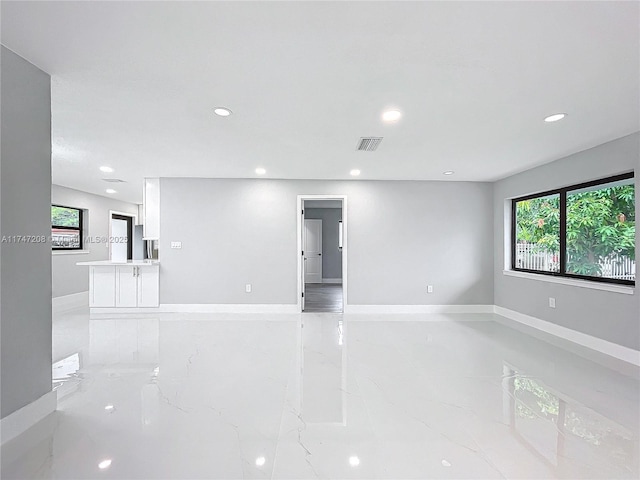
<point x="69" y="252"/>
<point x="573" y="282"/>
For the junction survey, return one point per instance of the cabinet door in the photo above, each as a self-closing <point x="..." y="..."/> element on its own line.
<point x="102" y="286"/>
<point x="126" y="283"/>
<point x="149" y="286"/>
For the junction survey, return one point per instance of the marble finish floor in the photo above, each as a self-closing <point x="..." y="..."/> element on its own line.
<point x="323" y="297"/>
<point x="204" y="396"/>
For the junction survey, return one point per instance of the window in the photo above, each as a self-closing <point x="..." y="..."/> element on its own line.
<point x="66" y="228"/>
<point x="584" y="231"/>
<point x="538" y="233"/>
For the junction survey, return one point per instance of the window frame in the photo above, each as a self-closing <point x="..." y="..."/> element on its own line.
<point x="562" y="192"/>
<point x="79" y="229"/>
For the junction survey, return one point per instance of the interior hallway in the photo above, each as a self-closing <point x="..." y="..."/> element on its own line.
<point x="323" y="297"/>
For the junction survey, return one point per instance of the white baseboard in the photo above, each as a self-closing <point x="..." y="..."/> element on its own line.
<point x="21" y="420"/>
<point x="331" y="280"/>
<point x="381" y="309"/>
<point x="200" y="308"/>
<point x="614" y="350"/>
<point x="69" y="302"/>
<point x="119" y="310"/>
<point x="292" y="308"/>
<point x="226" y="308"/>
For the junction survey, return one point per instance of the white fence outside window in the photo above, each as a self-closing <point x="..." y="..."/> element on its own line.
<point x="530" y="257"/>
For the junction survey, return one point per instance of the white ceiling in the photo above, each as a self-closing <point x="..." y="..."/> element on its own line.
<point x="134" y="85"/>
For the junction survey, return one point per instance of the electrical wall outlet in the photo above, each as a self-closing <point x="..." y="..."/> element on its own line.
<point x="552" y="302"/>
<point x="247" y="288"/>
<point x="176" y="244"/>
<point x="429" y="288"/>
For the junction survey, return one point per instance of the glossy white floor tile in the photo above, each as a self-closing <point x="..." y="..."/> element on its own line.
<point x="324" y="396"/>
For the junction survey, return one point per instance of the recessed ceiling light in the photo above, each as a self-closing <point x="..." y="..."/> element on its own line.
<point x="260" y="461"/>
<point x="354" y="461"/>
<point x="355" y="172"/>
<point x="110" y="190"/>
<point x="106" y="169"/>
<point x="391" y="115"/>
<point x="260" y="171"/>
<point x="555" y="117"/>
<point x="104" y="464"/>
<point x="222" y="111"/>
<point x="448" y="172"/>
<point x="109" y="408"/>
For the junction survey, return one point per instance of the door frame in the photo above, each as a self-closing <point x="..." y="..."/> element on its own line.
<point x="345" y="242"/>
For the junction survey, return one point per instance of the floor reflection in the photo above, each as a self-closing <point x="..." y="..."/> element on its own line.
<point x="324" y="395"/>
<point x="65" y="370"/>
<point x="571" y="436"/>
<point x="323" y="370"/>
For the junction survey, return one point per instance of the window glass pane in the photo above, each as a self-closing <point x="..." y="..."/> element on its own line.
<point x="65" y="217"/>
<point x="538" y="234"/>
<point x="601" y="229"/>
<point x="63" y="238"/>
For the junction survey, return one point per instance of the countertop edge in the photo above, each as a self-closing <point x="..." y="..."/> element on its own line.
<point x="107" y="263"/>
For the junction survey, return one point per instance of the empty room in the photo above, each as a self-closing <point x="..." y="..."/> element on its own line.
<point x="336" y="240"/>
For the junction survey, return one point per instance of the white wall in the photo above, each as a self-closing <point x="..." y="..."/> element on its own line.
<point x="402" y="236"/>
<point x="25" y="171"/>
<point x="611" y="316"/>
<point x="68" y="277"/>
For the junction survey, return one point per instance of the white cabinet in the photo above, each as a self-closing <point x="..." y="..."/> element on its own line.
<point x="124" y="286"/>
<point x="148" y="286"/>
<point x="151" y="208"/>
<point x="102" y="286"/>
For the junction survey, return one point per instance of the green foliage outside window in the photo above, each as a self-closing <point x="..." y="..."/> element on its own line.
<point x="600" y="223"/>
<point x="65" y="217"/>
<point x="538" y="222"/>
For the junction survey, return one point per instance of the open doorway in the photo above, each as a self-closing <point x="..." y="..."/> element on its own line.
<point x="122" y="233"/>
<point x="322" y="275"/>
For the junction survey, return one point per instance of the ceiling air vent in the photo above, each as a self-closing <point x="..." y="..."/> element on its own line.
<point x="368" y="144"/>
<point x="113" y="180"/>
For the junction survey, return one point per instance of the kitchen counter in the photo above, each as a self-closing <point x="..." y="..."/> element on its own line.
<point x="132" y="263"/>
<point x="129" y="285"/>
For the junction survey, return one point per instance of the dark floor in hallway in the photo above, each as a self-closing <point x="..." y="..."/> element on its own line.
<point x="323" y="297"/>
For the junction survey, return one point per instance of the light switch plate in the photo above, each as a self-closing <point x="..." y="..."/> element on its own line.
<point x="552" y="302"/>
<point x="176" y="244"/>
<point x="429" y="288"/>
<point x="247" y="288"/>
